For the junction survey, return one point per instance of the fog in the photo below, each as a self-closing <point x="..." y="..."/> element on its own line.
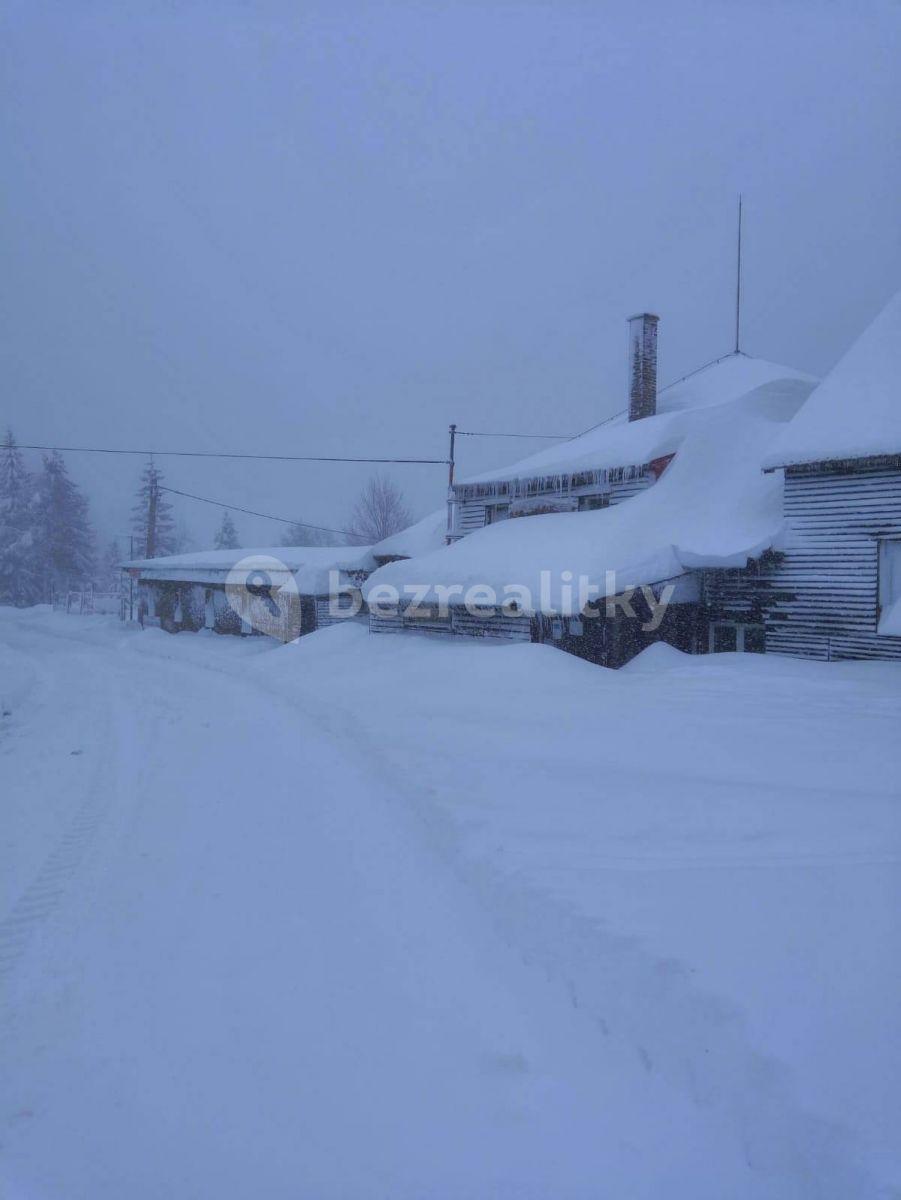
<point x="328" y="229"/>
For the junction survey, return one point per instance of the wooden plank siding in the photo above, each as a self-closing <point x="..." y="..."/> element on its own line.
<point x="819" y="597"/>
<point x="471" y="512"/>
<point x="470" y="516"/>
<point x="625" y="488"/>
<point x="385" y="622"/>
<point x="459" y="623"/>
<point x="499" y="626"/>
<point x="325" y="618"/>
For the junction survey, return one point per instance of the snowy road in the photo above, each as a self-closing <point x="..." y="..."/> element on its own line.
<point x="237" y="965"/>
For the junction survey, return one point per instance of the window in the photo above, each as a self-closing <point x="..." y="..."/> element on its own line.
<point x="890" y="587"/>
<point x="496" y="512"/>
<point x="723" y="638"/>
<point x="209" y="609"/>
<point x="590" y="503"/>
<point x="754" y="639"/>
<point x="728" y="636"/>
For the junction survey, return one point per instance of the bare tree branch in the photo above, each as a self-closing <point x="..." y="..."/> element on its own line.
<point x="379" y="511"/>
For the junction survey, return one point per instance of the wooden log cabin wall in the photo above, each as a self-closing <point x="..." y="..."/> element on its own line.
<point x="476" y="505"/>
<point x="818" y="597"/>
<point x="827" y="583"/>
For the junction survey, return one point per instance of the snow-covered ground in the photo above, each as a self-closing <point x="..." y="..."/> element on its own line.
<point x="389" y="917"/>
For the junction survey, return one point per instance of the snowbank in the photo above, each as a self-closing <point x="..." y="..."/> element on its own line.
<point x="658" y="657"/>
<point x="856" y="411"/>
<point x="703" y="851"/>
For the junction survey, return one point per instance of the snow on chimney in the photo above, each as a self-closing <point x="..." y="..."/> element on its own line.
<point x="642" y="366"/>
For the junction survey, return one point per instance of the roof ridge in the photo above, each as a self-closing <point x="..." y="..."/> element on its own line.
<point x="695" y="371"/>
<point x="703" y="367"/>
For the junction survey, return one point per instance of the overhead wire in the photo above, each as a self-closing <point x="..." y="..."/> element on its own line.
<point x="226" y="454"/>
<point x="250" y="511"/>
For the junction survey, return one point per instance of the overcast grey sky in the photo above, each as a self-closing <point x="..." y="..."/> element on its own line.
<point x="334" y="228"/>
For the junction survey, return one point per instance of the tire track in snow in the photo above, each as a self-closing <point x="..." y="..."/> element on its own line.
<point x="43" y="894"/>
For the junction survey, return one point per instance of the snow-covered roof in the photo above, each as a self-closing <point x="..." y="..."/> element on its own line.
<point x="713" y="507"/>
<point x="308" y="565"/>
<point x="427" y="534"/>
<point x="681" y="407"/>
<point x="856" y="411"/>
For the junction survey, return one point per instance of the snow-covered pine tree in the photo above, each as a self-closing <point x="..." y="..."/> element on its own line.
<point x="65" y="538"/>
<point x="299" y="534"/>
<point x="226" y="535"/>
<point x="152" y="522"/>
<point x="20" y="580"/>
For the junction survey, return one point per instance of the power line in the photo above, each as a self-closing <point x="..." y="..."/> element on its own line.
<point x="249" y="511"/>
<point x="703" y="367"/>
<point x="688" y="374"/>
<point x="606" y="421"/>
<point x="550" y="437"/>
<point x="222" y="454"/>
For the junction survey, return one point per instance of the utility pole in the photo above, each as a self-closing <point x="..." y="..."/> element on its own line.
<point x="452" y="431"/>
<point x="738" y="284"/>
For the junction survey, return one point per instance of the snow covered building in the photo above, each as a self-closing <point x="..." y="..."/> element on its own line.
<point x="631" y="527"/>
<point x="626" y="454"/>
<point x="282" y="591"/>
<point x="834" y="591"/>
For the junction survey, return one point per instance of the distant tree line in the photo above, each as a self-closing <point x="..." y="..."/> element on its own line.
<point x="46" y="538"/>
<point x="48" y="545"/>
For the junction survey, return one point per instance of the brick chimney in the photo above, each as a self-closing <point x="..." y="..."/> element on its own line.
<point x="642" y="366"/>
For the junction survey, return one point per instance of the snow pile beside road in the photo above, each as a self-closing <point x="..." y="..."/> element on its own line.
<point x="703" y="851"/>
<point x="658" y="657"/>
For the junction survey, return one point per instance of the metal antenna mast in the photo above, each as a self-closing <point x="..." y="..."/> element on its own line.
<point x="452" y="431"/>
<point x="738" y="284"/>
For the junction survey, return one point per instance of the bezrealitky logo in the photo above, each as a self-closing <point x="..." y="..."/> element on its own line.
<point x="565" y="595"/>
<point x="263" y="593"/>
